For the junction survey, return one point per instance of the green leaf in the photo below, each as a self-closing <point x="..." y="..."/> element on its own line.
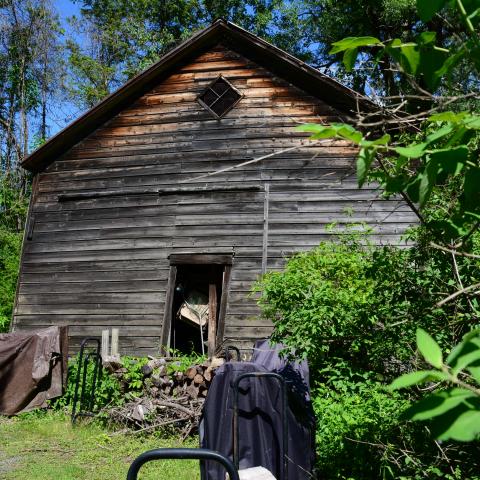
<point x="319" y="131"/>
<point x="428" y="8"/>
<point x="473" y="122"/>
<point x="429" y="348"/>
<point x="467" y="352"/>
<point x="364" y="161"/>
<point x="427" y="182"/>
<point x="353" y="42"/>
<point x="348" y="132"/>
<point x="471" y="187"/>
<point x="349" y="58"/>
<point x="383" y="140"/>
<point x="448" y="117"/>
<point x="412" y="151"/>
<point x="464" y="425"/>
<point x="417" y="378"/>
<point x="475" y="372"/>
<point x="437" y="404"/>
<point x="440" y="133"/>
<point x="427" y="38"/>
<point x="460" y="348"/>
<point x="434" y="63"/>
<point x="451" y="160"/>
<point x="311" y="127"/>
<point x="412" y="188"/>
<point x="410" y="57"/>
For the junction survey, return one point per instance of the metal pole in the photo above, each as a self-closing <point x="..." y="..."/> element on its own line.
<point x="183" y="454"/>
<point x="83" y="364"/>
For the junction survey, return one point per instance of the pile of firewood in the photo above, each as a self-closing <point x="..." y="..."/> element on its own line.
<point x="171" y="396"/>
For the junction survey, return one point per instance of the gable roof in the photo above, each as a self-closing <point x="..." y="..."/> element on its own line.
<point x="265" y="54"/>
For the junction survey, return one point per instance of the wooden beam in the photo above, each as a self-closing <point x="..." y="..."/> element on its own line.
<point x="105" y="343"/>
<point x="167" y="316"/>
<point x="265" y="228"/>
<point x="114" y="346"/>
<point x="227" y="273"/>
<point x="200" y="259"/>
<point x="71" y="197"/>
<point x="212" y="318"/>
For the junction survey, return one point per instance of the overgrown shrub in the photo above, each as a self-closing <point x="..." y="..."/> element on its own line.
<point x="353" y="309"/>
<point x="107" y="392"/>
<point x="352" y="300"/>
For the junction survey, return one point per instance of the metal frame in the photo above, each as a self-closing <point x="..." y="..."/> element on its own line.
<point x="236" y="435"/>
<point x="182" y="454"/>
<point x="209" y="87"/>
<point x="227" y="349"/>
<point x="86" y="404"/>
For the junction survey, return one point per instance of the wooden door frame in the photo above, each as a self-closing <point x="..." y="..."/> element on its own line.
<point x="195" y="259"/>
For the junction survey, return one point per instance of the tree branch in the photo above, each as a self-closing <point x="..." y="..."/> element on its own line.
<point x="453" y="296"/>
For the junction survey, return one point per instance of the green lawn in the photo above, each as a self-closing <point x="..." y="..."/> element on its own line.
<point x="47" y="447"/>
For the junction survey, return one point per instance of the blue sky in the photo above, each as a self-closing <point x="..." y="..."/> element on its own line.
<point x="66" y="8"/>
<point x="64" y="112"/>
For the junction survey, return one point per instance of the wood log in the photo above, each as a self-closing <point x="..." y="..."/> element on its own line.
<point x="191" y="372"/>
<point x="208" y="375"/>
<point x="198" y="379"/>
<point x="192" y="391"/>
<point x="158" y="381"/>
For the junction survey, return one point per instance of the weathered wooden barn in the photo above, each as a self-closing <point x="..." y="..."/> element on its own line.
<point x="126" y="220"/>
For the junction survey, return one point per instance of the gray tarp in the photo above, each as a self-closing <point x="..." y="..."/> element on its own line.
<point x="260" y="422"/>
<point x="32" y="368"/>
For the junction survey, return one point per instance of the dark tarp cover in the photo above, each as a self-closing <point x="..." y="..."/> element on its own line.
<point x="260" y="420"/>
<point x="32" y="368"/>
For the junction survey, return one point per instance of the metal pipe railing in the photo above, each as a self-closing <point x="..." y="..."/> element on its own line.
<point x="183" y="454"/>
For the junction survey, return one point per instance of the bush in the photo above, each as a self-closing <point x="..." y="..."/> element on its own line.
<point x="352" y="300"/>
<point x="107" y="392"/>
<point x="353" y="309"/>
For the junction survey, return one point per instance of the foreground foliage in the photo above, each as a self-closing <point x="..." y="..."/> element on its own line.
<point x="455" y="410"/>
<point x="353" y="309"/>
<point x="426" y="148"/>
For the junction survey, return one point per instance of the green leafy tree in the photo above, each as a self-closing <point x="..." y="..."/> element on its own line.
<point x="432" y="159"/>
<point x="328" y="21"/>
<point x="119" y="38"/>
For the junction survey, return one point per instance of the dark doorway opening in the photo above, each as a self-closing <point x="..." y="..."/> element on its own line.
<point x="201" y="281"/>
<point x="196" y="287"/>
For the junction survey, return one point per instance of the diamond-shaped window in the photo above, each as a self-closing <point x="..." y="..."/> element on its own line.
<point x="219" y="97"/>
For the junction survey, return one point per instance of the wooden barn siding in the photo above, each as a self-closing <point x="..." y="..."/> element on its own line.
<point x="102" y="262"/>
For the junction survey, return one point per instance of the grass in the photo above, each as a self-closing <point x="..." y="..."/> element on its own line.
<point x="45" y="446"/>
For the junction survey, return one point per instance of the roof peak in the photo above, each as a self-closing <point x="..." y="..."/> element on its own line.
<point x="273" y="58"/>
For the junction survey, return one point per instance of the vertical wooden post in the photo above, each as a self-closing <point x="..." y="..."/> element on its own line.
<point x="265" y="228"/>
<point x="223" y="304"/>
<point x="105" y="342"/>
<point x="167" y="316"/>
<point x="114" y="346"/>
<point x="212" y="318"/>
